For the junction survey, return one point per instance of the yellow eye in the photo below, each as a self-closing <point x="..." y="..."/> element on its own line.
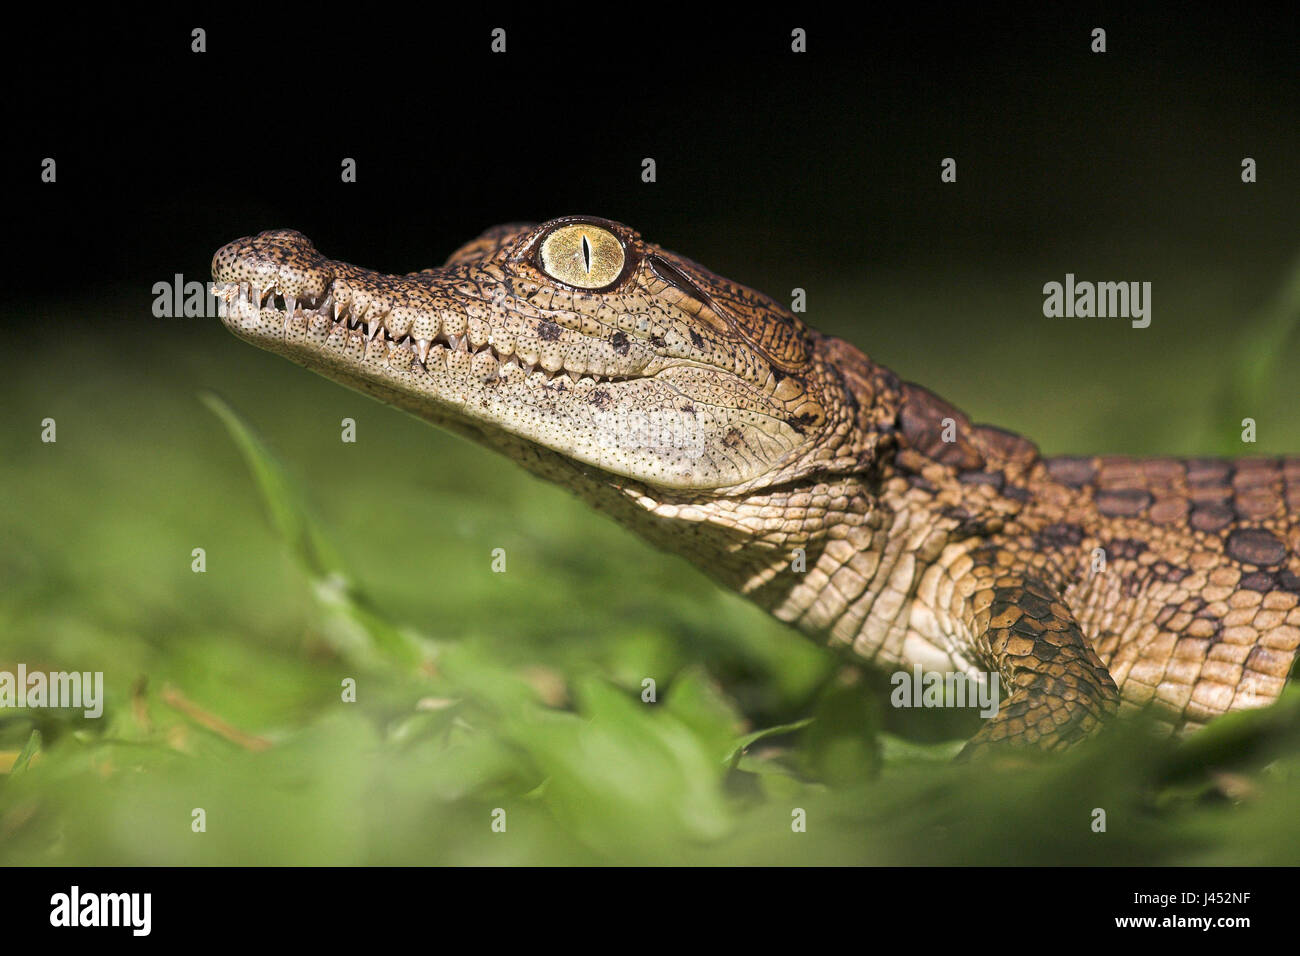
<point x="582" y="255"/>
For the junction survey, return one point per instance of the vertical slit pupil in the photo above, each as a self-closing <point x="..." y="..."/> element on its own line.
<point x="586" y="253"/>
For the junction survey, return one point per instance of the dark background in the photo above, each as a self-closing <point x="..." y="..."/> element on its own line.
<point x="775" y="168"/>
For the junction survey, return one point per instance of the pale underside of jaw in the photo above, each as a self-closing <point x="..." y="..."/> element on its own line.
<point x="639" y="426"/>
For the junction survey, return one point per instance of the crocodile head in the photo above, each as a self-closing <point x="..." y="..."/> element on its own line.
<point x="581" y="351"/>
<point x="576" y="336"/>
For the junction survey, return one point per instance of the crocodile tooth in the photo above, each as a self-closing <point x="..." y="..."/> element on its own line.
<point x="372" y="326"/>
<point x="454" y="341"/>
<point x="422" y="347"/>
<point x="290" y="304"/>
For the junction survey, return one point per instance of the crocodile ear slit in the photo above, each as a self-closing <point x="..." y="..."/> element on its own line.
<point x="709" y="310"/>
<point x="674" y="277"/>
<point x="782" y="342"/>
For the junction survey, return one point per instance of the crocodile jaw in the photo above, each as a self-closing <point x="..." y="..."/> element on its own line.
<point x="484" y="349"/>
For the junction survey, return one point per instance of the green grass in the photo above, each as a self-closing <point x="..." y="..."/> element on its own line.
<point x="522" y="691"/>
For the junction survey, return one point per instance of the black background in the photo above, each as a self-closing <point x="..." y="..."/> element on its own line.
<point x="771" y="166"/>
<point x="333" y="906"/>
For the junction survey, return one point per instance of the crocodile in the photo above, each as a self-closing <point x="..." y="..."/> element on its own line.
<point x="864" y="510"/>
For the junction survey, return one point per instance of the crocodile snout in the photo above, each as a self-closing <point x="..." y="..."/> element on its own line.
<point x="280" y="259"/>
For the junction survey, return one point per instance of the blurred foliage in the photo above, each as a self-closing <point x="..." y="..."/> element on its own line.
<point x="523" y="692"/>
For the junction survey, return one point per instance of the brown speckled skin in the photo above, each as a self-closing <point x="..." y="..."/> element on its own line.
<point x="863" y="510"/>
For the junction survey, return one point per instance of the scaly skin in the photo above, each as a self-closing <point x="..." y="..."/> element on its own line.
<point x="712" y="421"/>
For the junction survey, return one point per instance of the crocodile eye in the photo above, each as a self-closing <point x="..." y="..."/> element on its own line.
<point x="582" y="255"/>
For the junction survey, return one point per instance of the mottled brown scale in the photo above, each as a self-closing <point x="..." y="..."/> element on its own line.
<point x="869" y="513"/>
<point x="1188" y="615"/>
